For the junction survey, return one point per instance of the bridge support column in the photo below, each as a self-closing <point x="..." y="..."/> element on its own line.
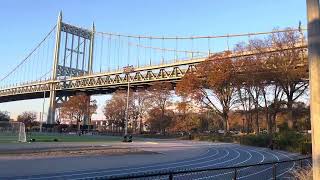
<point x="52" y="103"/>
<point x="52" y="106"/>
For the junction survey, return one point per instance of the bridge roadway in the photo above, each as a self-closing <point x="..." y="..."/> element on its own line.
<point x="171" y="155"/>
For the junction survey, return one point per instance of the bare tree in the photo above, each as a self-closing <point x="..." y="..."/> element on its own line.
<point x="28" y="118"/>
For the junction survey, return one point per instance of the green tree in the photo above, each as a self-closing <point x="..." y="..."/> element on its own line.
<point x="4" y="116"/>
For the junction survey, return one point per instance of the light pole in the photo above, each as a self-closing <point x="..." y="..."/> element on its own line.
<point x="44" y="100"/>
<point x="127" y="70"/>
<point x="314" y="79"/>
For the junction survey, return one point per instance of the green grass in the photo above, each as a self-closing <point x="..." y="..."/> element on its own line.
<point x="49" y="137"/>
<point x="6" y="137"/>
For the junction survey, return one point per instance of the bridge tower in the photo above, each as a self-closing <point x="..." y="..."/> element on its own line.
<point x="73" y="56"/>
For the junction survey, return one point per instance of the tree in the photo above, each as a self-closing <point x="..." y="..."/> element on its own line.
<point x="159" y="98"/>
<point x="185" y="120"/>
<point x="212" y="85"/>
<point x="142" y="104"/>
<point x="4" y="116"/>
<point x="291" y="75"/>
<point x="78" y="108"/>
<point x="159" y="121"/>
<point x="28" y="118"/>
<point x="115" y="110"/>
<point x="302" y="113"/>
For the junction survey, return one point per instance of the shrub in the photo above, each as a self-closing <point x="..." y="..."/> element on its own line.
<point x="261" y="140"/>
<point x="289" y="140"/>
<point x="306" y="148"/>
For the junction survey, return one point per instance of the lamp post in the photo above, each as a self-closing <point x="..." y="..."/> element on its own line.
<point x="42" y="114"/>
<point x="127" y="69"/>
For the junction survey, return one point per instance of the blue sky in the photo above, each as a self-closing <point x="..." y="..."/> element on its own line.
<point x="25" y="23"/>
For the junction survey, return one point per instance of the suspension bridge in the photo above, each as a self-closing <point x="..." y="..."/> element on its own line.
<point x="71" y="59"/>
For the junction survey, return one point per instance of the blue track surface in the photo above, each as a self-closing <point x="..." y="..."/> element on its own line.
<point x="215" y="156"/>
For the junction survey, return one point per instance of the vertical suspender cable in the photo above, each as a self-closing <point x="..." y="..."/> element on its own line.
<point x="119" y="45"/>
<point x="138" y="49"/>
<point x="109" y="51"/>
<point x="101" y="52"/>
<point x="176" y="50"/>
<point x="128" y="51"/>
<point x="228" y="42"/>
<point x="162" y="44"/>
<point x="209" y="47"/>
<point x="150" y="44"/>
<point x="191" y="47"/>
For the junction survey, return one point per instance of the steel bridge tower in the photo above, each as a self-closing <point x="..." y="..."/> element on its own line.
<point x="73" y="56"/>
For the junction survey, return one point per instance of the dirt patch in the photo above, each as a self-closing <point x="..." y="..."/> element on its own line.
<point x="72" y="152"/>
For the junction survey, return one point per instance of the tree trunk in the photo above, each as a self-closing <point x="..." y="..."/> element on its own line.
<point x="78" y="125"/>
<point x="257" y="123"/>
<point x="248" y="123"/>
<point x="274" y="123"/>
<point x="226" y="123"/>
<point x="291" y="119"/>
<point x="140" y="126"/>
<point x="269" y="122"/>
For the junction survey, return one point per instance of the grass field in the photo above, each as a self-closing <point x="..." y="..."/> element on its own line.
<point x="49" y="137"/>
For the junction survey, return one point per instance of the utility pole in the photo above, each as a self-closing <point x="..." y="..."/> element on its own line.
<point x="42" y="114"/>
<point x="314" y="79"/>
<point x="127" y="70"/>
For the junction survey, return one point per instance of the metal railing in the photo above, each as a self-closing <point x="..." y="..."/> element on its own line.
<point x="267" y="170"/>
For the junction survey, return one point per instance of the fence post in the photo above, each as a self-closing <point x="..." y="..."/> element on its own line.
<point x="235" y="174"/>
<point x="170" y="176"/>
<point x="274" y="171"/>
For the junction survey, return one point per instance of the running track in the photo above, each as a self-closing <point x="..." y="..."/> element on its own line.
<point x="214" y="156"/>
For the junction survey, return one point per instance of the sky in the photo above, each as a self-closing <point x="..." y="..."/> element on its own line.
<point x="25" y="23"/>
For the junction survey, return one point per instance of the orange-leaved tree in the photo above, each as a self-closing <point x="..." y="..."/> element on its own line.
<point x="77" y="108"/>
<point x="159" y="99"/>
<point x="212" y="85"/>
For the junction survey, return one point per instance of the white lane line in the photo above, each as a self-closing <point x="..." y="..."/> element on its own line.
<point x="227" y="153"/>
<point x="263" y="157"/>
<point x="166" y="167"/>
<point x="127" y="169"/>
<point x="250" y="156"/>
<point x="269" y="167"/>
<point x="294" y="163"/>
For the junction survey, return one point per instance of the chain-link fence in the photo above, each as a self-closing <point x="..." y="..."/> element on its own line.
<point x="285" y="169"/>
<point x="12" y="132"/>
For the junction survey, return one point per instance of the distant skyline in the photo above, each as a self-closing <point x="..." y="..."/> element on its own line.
<point x="25" y="23"/>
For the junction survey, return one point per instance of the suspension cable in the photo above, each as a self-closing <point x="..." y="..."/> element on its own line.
<point x="166" y="49"/>
<point x="29" y="55"/>
<point x="203" y="37"/>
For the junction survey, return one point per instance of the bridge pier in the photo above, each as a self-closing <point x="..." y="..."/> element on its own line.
<point x="52" y="102"/>
<point x="52" y="106"/>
